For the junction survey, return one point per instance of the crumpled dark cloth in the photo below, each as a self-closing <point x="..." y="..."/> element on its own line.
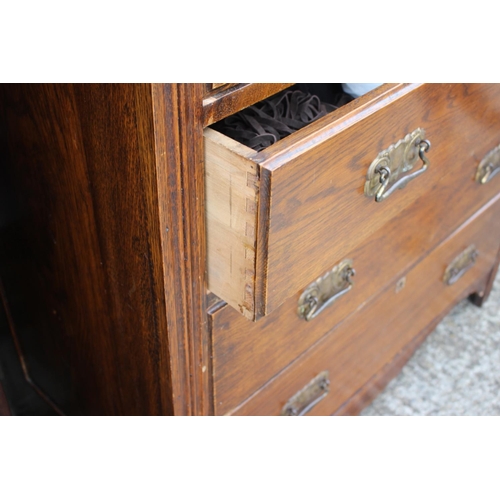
<point x="268" y="121"/>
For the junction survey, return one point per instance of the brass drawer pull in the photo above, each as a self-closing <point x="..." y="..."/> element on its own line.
<point x="326" y="290"/>
<point x="307" y="397"/>
<point x="489" y="166"/>
<point x="386" y="173"/>
<point x="460" y="265"/>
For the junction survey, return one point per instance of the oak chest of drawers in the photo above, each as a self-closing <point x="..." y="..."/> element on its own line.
<point x="169" y="269"/>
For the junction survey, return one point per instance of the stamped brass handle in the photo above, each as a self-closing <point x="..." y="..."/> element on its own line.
<point x="388" y="172"/>
<point x="460" y="265"/>
<point x="325" y="290"/>
<point x="489" y="166"/>
<point x="308" y="396"/>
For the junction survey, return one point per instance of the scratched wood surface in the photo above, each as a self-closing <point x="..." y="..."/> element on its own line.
<point x="371" y="339"/>
<point x="312" y="210"/>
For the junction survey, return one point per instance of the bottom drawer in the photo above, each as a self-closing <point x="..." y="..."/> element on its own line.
<point x="362" y="345"/>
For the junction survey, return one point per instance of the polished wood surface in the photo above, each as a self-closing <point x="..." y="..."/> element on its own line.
<point x="377" y="334"/>
<point x="317" y="210"/>
<point x="90" y="266"/>
<point x="106" y="251"/>
<point x="233" y="98"/>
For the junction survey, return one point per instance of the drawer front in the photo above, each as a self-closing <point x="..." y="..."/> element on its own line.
<point x="367" y="341"/>
<point x="246" y="355"/>
<point x="225" y="99"/>
<point x="306" y="209"/>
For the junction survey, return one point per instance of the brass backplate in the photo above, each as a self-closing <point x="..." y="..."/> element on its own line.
<point x="325" y="290"/>
<point x="489" y="166"/>
<point x="460" y="265"/>
<point x="399" y="158"/>
<point x="308" y="396"/>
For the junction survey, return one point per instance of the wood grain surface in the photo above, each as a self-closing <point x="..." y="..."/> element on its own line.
<point x="181" y="190"/>
<point x="233" y="98"/>
<point x="85" y="250"/>
<point x="366" y="342"/>
<point x="246" y="355"/>
<point x="103" y="255"/>
<point x="317" y="210"/>
<point x="106" y="245"/>
<point x="312" y="210"/>
<point x="232" y="189"/>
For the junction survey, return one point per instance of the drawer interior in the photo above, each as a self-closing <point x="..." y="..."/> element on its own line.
<point x="280" y="115"/>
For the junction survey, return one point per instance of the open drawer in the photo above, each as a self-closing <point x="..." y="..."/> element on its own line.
<point x="280" y="218"/>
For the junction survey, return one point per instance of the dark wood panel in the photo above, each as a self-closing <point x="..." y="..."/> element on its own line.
<point x="4" y="406"/>
<point x="85" y="267"/>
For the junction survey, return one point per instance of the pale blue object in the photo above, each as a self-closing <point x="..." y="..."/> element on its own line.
<point x="359" y="89"/>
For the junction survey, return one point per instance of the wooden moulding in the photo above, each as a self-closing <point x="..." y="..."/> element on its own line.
<point x="232" y="188"/>
<point x="229" y="98"/>
<point x="4" y="406"/>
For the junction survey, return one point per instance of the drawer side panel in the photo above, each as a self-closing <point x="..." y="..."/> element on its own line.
<point x="232" y="186"/>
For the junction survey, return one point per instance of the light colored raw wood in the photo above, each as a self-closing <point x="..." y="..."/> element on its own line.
<point x="232" y="187"/>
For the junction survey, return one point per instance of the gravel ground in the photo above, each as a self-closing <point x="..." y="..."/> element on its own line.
<point x="456" y="371"/>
